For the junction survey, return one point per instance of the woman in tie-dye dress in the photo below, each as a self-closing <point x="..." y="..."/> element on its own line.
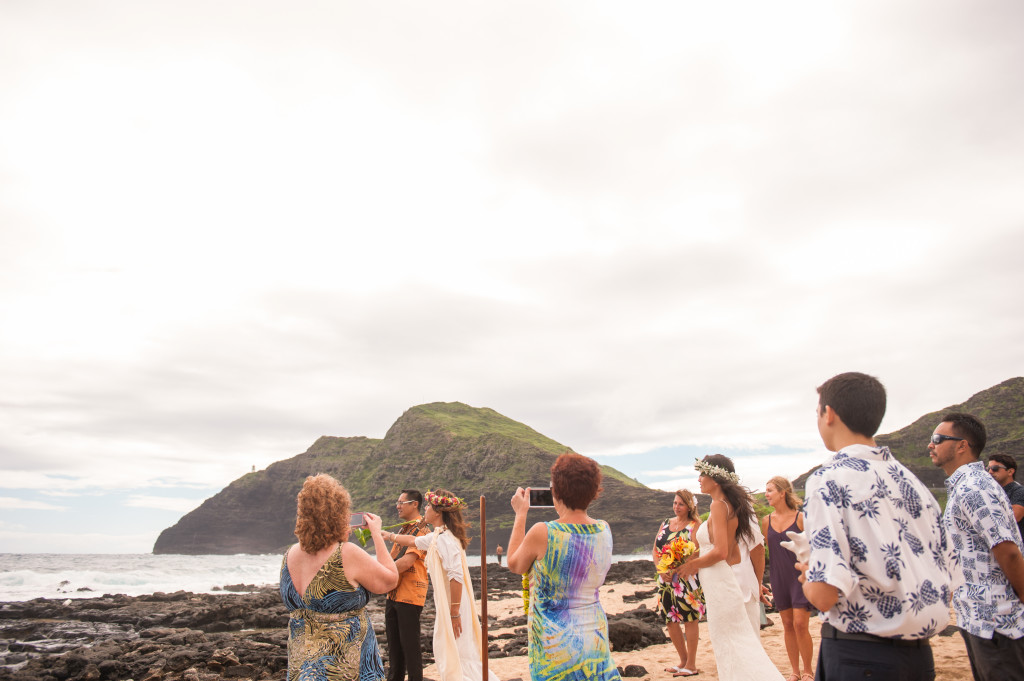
<point x="567" y="561"/>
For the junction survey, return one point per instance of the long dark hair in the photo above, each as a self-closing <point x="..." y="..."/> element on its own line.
<point x="453" y="520"/>
<point x="738" y="497"/>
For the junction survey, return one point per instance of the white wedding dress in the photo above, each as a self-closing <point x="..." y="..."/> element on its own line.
<point x="738" y="652"/>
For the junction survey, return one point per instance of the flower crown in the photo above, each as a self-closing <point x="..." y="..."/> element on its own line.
<point x="444" y="503"/>
<point x="716" y="472"/>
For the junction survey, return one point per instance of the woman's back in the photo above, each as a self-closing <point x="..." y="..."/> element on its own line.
<point x="568" y="627"/>
<point x="328" y="625"/>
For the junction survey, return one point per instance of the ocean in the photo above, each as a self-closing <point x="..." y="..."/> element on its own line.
<point x="24" y="576"/>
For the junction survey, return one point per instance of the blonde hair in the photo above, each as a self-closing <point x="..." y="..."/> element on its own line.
<point x="786" y="487"/>
<point x="323" y="513"/>
<point x="690" y="501"/>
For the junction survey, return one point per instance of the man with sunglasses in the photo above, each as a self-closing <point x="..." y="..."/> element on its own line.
<point x="1003" y="469"/>
<point x="987" y="547"/>
<point x="405" y="603"/>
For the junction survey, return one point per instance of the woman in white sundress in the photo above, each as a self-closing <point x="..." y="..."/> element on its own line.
<point x="738" y="652"/>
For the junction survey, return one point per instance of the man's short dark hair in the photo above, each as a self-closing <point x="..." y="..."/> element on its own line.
<point x="414" y="495"/>
<point x="969" y="428"/>
<point x="858" y="399"/>
<point x="1006" y="460"/>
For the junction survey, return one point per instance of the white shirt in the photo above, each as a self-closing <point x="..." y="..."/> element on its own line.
<point x="877" y="536"/>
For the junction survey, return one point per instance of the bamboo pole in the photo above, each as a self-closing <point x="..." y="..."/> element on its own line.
<point x="483" y="585"/>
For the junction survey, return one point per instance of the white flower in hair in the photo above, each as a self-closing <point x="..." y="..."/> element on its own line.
<point x="716" y="472"/>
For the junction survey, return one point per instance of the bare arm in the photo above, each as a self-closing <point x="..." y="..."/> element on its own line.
<point x="757" y="560"/>
<point x="1018" y="512"/>
<point x="405" y="562"/>
<point x="378" y="576"/>
<point x="456" y="604"/>
<point x="1012" y="564"/>
<point x="525" y="547"/>
<point x="821" y="595"/>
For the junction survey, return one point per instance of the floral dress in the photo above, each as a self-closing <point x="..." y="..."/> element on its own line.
<point x="678" y="599"/>
<point x="330" y="635"/>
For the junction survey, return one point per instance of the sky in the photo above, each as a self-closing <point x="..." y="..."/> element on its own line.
<point x="648" y="232"/>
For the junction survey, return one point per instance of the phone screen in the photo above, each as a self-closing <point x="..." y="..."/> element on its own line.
<point x="356" y="520"/>
<point x="541" y="496"/>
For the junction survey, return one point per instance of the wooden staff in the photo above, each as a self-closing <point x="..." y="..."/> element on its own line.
<point x="483" y="584"/>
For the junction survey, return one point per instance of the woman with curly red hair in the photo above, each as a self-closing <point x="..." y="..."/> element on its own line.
<point x="326" y="583"/>
<point x="567" y="560"/>
<point x="457" y="640"/>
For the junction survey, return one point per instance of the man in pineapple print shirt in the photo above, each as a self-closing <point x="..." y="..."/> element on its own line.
<point x="877" y="568"/>
<point x="986" y="549"/>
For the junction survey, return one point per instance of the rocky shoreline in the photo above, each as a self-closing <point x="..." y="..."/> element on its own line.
<point x="184" y="636"/>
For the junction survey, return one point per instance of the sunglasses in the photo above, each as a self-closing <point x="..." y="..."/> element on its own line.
<point x="996" y="467"/>
<point x="939" y="439"/>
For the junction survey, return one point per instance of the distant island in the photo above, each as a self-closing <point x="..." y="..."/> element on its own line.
<point x="477" y="451"/>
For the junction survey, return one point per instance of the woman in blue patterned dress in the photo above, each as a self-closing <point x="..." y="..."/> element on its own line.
<point x="326" y="583"/>
<point x="680" y="601"/>
<point x="568" y="560"/>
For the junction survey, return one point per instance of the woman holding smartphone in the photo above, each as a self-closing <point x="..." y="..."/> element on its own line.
<point x="326" y="583"/>
<point x="568" y="560"/>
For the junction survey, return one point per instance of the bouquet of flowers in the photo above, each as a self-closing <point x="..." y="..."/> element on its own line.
<point x="675" y="554"/>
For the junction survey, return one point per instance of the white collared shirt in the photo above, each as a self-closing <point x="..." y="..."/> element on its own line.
<point x="876" y="534"/>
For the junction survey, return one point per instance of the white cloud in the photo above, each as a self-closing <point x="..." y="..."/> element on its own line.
<point x="180" y="505"/>
<point x="13" y="503"/>
<point x="628" y="229"/>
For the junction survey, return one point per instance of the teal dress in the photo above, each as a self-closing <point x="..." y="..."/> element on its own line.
<point x="568" y="627"/>
<point x="329" y="633"/>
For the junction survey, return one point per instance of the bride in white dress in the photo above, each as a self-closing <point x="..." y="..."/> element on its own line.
<point x="738" y="651"/>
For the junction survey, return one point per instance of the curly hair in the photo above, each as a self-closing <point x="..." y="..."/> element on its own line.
<point x="453" y="520"/>
<point x="323" y="513"/>
<point x="691" y="503"/>
<point x="737" y="496"/>
<point x="786" y="488"/>
<point x="575" y="480"/>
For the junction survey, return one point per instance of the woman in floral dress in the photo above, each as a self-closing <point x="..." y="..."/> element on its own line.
<point x="680" y="601"/>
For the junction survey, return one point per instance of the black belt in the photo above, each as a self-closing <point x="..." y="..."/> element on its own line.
<point x="828" y="631"/>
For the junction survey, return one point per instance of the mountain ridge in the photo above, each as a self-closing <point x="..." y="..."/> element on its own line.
<point x="440" y="444"/>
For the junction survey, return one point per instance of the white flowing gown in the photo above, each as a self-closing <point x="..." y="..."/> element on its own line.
<point x="738" y="652"/>
<point x="457" y="659"/>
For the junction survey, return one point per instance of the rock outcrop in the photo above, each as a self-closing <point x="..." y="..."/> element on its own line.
<point x="470" y="451"/>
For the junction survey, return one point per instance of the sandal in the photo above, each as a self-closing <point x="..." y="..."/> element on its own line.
<point x="793" y="677"/>
<point x="807" y="676"/>
<point x="674" y="670"/>
<point x="683" y="671"/>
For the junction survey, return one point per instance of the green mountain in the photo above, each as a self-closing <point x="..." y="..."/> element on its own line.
<point x="1000" y="408"/>
<point x="467" y="450"/>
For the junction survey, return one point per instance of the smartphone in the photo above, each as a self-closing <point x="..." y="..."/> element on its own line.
<point x="357" y="520"/>
<point x="541" y="496"/>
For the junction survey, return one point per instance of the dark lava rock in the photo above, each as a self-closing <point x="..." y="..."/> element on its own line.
<point x="632" y="670"/>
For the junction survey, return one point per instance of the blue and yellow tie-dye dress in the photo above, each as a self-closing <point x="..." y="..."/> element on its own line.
<point x="329" y="633"/>
<point x="568" y="627"/>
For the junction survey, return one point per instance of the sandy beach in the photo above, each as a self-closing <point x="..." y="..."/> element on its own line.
<point x="950" y="654"/>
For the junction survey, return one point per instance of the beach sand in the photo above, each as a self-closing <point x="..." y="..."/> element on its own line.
<point x="951" y="662"/>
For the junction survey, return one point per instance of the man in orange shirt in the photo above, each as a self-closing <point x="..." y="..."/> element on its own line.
<point x="405" y="603"/>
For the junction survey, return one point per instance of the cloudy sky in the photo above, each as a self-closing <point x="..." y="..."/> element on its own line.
<point x="646" y="231"/>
